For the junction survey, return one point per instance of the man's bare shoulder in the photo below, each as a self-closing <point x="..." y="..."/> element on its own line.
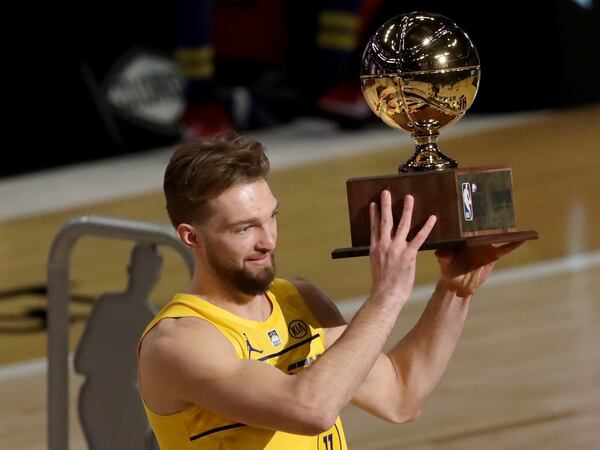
<point x="173" y="357"/>
<point x="182" y="336"/>
<point x="322" y="307"/>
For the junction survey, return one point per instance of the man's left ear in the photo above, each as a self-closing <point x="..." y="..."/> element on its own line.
<point x="188" y="235"/>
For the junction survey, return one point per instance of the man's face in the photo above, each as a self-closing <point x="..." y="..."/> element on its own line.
<point x="240" y="236"/>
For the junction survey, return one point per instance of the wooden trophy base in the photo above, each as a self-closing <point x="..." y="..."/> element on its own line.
<point x="474" y="206"/>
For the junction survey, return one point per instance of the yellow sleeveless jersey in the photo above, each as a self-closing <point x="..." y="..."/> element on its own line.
<point x="290" y="339"/>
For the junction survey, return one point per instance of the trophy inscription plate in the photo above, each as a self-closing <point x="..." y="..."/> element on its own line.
<point x="487" y="200"/>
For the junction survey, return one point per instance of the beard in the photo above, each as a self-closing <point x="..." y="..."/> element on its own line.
<point x="241" y="278"/>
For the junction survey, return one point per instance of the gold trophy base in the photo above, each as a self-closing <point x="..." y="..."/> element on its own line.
<point x="474" y="206"/>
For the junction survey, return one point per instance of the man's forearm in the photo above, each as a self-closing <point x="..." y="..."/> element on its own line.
<point x="337" y="375"/>
<point x="354" y="354"/>
<point x="422" y="356"/>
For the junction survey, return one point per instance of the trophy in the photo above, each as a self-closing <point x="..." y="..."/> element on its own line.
<point x="420" y="73"/>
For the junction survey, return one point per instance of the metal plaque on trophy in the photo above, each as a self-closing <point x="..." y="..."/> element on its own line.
<point x="420" y="73"/>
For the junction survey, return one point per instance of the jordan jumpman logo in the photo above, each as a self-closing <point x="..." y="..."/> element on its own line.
<point x="250" y="348"/>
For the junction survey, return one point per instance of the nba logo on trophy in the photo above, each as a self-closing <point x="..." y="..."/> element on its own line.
<point x="467" y="201"/>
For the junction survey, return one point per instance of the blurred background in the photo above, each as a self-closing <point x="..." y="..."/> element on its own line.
<point x="98" y="96"/>
<point x="116" y="78"/>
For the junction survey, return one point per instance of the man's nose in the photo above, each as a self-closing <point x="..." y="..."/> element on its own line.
<point x="268" y="238"/>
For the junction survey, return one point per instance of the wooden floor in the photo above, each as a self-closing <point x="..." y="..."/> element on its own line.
<point x="526" y="374"/>
<point x="527" y="370"/>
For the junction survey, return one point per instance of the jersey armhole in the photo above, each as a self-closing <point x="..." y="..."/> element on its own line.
<point x="288" y="288"/>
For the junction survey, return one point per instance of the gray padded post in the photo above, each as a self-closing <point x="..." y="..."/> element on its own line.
<point x="58" y="301"/>
<point x="110" y="410"/>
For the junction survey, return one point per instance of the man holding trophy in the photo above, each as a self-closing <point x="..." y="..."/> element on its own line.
<point x="271" y="362"/>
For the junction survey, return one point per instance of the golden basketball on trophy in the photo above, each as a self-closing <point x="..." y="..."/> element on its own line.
<point x="420" y="72"/>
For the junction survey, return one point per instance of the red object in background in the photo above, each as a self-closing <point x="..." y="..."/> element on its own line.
<point x="256" y="29"/>
<point x="205" y="120"/>
<point x="251" y="30"/>
<point x="368" y="12"/>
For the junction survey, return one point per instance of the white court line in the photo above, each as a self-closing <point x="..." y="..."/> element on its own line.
<point x="300" y="142"/>
<point x="348" y="308"/>
<point x="23" y="369"/>
<point x="569" y="264"/>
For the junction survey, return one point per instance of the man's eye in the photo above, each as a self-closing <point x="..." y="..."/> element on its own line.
<point x="243" y="229"/>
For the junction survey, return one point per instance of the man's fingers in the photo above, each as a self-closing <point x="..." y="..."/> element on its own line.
<point x="374" y="217"/>
<point x="423" y="233"/>
<point x="481" y="256"/>
<point x="406" y="218"/>
<point x="445" y="254"/>
<point x="474" y="282"/>
<point x="387" y="219"/>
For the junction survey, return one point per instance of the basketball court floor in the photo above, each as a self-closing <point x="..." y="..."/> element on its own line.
<point x="527" y="369"/>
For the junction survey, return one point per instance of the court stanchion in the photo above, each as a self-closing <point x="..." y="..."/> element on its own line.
<point x="58" y="301"/>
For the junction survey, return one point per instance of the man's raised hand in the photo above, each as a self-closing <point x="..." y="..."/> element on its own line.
<point x="393" y="258"/>
<point x="466" y="269"/>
